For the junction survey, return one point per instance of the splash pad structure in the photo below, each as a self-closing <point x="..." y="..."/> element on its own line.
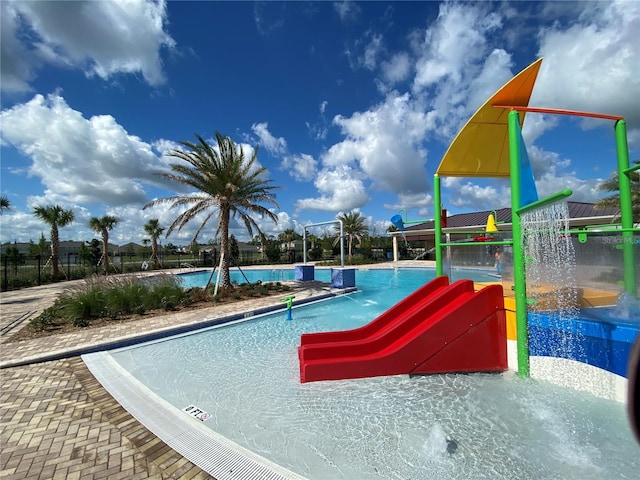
<point x="544" y="273"/>
<point x="542" y="245"/>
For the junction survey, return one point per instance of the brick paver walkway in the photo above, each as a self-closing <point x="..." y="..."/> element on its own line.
<point x="58" y="422"/>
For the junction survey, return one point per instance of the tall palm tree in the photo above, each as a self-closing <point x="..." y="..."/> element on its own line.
<point x="154" y="230"/>
<point x="5" y="203"/>
<point x="287" y="238"/>
<point x="612" y="185"/>
<point x="102" y="226"/>
<point x="354" y="229"/>
<point x="228" y="185"/>
<point x="55" y="216"/>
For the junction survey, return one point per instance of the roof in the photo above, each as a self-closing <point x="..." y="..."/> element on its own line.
<point x="576" y="210"/>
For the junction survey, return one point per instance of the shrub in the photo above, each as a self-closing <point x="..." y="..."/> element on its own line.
<point x="100" y="296"/>
<point x="82" y="307"/>
<point x="46" y="320"/>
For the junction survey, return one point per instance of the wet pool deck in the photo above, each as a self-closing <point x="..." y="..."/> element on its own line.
<point x="58" y="422"/>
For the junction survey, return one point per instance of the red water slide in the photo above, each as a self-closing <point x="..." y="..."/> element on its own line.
<point x="380" y="323"/>
<point x="440" y="328"/>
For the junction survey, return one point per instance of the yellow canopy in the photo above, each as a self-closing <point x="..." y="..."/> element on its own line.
<point x="481" y="148"/>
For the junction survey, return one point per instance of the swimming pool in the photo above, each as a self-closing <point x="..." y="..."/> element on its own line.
<point x="201" y="277"/>
<point x="246" y="377"/>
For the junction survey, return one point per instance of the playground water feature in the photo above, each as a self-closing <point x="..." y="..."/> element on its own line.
<point x="550" y="260"/>
<point x="440" y="426"/>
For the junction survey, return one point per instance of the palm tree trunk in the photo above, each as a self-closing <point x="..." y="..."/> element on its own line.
<point x="224" y="247"/>
<point x="105" y="252"/>
<point x="154" y="252"/>
<point x="54" y="252"/>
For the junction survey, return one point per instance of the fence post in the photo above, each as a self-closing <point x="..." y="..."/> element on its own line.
<point x="39" y="258"/>
<point x="5" y="285"/>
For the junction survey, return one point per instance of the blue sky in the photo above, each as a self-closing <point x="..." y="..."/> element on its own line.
<point x="352" y="104"/>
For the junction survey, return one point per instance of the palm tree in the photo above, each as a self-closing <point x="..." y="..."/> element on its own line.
<point x="154" y="230"/>
<point x="612" y="185"/>
<point x="228" y="185"/>
<point x="354" y="228"/>
<point x="288" y="237"/>
<point x="5" y="204"/>
<point x="102" y="226"/>
<point x="55" y="216"/>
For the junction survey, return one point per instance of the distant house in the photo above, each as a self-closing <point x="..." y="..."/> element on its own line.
<point x="128" y="248"/>
<point x="71" y="247"/>
<point x="22" y="247"/>
<point x="580" y="214"/>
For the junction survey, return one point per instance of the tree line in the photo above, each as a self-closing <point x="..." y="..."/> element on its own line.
<point x="226" y="184"/>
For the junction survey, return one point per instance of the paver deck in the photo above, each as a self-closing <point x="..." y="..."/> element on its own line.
<point x="58" y="422"/>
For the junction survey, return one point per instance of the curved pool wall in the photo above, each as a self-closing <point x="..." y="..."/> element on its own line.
<point x="589" y="352"/>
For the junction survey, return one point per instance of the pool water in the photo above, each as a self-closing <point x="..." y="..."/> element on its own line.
<point x="399" y="427"/>
<point x="201" y="277"/>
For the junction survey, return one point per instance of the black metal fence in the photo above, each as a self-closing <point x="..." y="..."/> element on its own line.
<point x="20" y="271"/>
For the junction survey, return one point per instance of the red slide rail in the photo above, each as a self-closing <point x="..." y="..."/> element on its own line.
<point x="404" y="316"/>
<point x="380" y="322"/>
<point x="453" y="329"/>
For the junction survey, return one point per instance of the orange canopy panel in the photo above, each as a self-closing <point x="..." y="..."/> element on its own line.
<point x="481" y="148"/>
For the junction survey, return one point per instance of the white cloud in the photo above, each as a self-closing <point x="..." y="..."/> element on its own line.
<point x="535" y="125"/>
<point x="275" y="146"/>
<point x="455" y="42"/>
<point x="285" y="222"/>
<point x="340" y="188"/>
<point x="81" y="160"/>
<point x="470" y="195"/>
<point x="164" y="146"/>
<point x="457" y="68"/>
<point x="421" y="200"/>
<point x="594" y="64"/>
<point x="302" y="167"/>
<point x="18" y="63"/>
<point x="347" y="11"/>
<point x="397" y="68"/>
<point x="318" y="131"/>
<point x="371" y="52"/>
<point x="552" y="174"/>
<point x="100" y="38"/>
<point x="382" y="150"/>
<point x="385" y="143"/>
<point x="496" y="71"/>
<point x="268" y="16"/>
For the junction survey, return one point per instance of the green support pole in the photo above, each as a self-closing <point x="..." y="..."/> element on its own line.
<point x="626" y="210"/>
<point x="437" y="222"/>
<point x="556" y="197"/>
<point x="519" y="278"/>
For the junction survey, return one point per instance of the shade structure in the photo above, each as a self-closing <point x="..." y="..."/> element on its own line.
<point x="481" y="148"/>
